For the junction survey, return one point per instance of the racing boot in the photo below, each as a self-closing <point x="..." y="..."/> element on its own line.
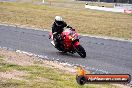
<point x="52" y="42"/>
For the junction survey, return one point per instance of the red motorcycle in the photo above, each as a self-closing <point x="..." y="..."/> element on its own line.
<point x="70" y="42"/>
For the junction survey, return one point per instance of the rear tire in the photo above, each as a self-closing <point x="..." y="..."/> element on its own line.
<point x="80" y="50"/>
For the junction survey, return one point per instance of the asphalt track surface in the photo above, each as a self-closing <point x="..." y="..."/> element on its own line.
<point x="103" y="56"/>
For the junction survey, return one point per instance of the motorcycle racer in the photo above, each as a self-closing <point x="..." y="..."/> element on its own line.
<point x="68" y="41"/>
<point x="57" y="29"/>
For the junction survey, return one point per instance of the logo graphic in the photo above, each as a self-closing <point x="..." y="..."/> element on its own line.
<point x="83" y="78"/>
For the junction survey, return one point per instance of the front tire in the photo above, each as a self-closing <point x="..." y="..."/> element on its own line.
<point x="80" y="50"/>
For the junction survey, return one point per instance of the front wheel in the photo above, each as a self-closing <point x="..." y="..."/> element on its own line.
<point x="80" y="50"/>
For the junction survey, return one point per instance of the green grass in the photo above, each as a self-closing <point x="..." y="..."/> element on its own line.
<point x="1" y="58"/>
<point x="54" y="78"/>
<point x="11" y="83"/>
<point x="4" y="66"/>
<point x="37" y="76"/>
<point x="85" y="21"/>
<point x="7" y="66"/>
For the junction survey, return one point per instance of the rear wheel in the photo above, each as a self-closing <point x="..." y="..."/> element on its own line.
<point x="80" y="50"/>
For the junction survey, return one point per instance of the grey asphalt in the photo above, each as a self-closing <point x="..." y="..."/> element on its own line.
<point x="103" y="56"/>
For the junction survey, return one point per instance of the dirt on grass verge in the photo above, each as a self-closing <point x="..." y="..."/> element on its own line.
<point x="25" y="60"/>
